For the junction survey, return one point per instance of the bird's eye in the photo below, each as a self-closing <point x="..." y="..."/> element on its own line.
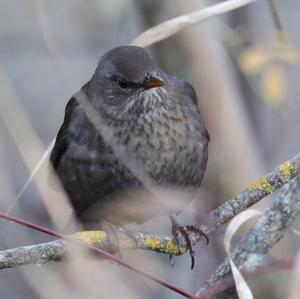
<point x="123" y="84"/>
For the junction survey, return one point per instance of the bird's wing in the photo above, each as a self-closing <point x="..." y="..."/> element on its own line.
<point x="190" y="92"/>
<point x="62" y="139"/>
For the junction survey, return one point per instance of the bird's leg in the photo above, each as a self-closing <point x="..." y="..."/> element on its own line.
<point x="185" y="231"/>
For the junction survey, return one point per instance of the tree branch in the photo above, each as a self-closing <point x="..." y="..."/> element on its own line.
<point x="269" y="229"/>
<point x="33" y="254"/>
<point x="256" y="191"/>
<point x="262" y="187"/>
<point x="227" y="282"/>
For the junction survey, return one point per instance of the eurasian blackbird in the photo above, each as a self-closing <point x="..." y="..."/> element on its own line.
<point x="143" y="150"/>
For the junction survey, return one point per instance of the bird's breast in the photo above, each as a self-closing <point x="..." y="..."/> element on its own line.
<point x="168" y="144"/>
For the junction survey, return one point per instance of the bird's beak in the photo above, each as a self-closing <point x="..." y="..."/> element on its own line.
<point x="153" y="81"/>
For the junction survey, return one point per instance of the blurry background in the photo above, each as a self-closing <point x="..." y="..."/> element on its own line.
<point x="248" y="91"/>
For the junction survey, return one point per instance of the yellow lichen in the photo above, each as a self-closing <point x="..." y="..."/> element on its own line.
<point x="172" y="248"/>
<point x="169" y="248"/>
<point x="285" y="170"/>
<point x="262" y="184"/>
<point x="154" y="244"/>
<point x="98" y="238"/>
<point x="92" y="237"/>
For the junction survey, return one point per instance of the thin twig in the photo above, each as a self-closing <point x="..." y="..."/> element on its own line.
<point x="275" y="15"/>
<point x="173" y="26"/>
<point x="282" y="36"/>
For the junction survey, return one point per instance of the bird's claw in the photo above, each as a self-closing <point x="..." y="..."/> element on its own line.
<point x="197" y="230"/>
<point x="185" y="232"/>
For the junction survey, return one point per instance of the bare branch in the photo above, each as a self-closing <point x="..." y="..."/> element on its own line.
<point x="269" y="229"/>
<point x="55" y="250"/>
<point x="173" y="26"/>
<point x="256" y="191"/>
<point x="281" y="33"/>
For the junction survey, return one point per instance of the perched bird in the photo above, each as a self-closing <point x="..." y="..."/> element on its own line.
<point x="142" y="152"/>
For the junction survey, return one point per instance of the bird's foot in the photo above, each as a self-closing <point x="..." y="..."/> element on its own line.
<point x="186" y="232"/>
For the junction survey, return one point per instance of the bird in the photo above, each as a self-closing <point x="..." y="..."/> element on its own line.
<point x="133" y="144"/>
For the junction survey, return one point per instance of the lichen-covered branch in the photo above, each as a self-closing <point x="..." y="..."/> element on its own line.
<point x="254" y="193"/>
<point x="53" y="251"/>
<point x="33" y="254"/>
<point x="41" y="253"/>
<point x="269" y="229"/>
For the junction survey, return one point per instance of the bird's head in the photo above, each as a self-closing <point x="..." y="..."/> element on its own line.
<point x="123" y="79"/>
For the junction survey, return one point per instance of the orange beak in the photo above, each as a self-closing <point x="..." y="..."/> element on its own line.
<point x="152" y="82"/>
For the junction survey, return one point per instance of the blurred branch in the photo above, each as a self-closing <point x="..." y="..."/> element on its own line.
<point x="275" y="15"/>
<point x="282" y="36"/>
<point x="173" y="26"/>
<point x="249" y="253"/>
<point x="31" y="149"/>
<point x="262" y="187"/>
<point x="228" y="282"/>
